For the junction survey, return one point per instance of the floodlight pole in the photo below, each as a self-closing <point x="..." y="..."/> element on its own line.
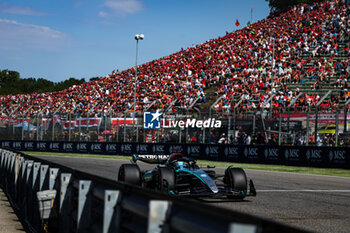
<point x="137" y="38"/>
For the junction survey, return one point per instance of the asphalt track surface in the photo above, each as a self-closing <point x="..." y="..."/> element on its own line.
<point x="310" y="202"/>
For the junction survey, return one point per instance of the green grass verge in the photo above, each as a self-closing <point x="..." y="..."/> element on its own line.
<point x="265" y="167"/>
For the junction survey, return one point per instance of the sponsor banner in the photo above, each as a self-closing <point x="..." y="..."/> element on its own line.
<point x="251" y="153"/>
<point x="212" y="152"/>
<point x="177" y="148"/>
<point x="314" y="156"/>
<point x="326" y="118"/>
<point x="127" y="148"/>
<point x="144" y="149"/>
<point x="8" y="144"/>
<point x="16" y="145"/>
<point x="233" y="153"/>
<point x="338" y="157"/>
<point x="97" y="147"/>
<point x="272" y="154"/>
<point x="53" y="146"/>
<point x="47" y="122"/>
<point x="328" y="157"/>
<point x="68" y="146"/>
<point x="112" y="148"/>
<point x="69" y="124"/>
<point x="30" y="145"/>
<point x="193" y="150"/>
<point x="10" y="121"/>
<point x="83" y="122"/>
<point x="159" y="149"/>
<point x="120" y="121"/>
<point x="293" y="155"/>
<point x="82" y="147"/>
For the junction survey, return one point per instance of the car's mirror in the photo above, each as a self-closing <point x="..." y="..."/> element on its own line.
<point x="211" y="166"/>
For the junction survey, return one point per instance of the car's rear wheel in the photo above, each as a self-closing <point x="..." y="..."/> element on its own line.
<point x="130" y="173"/>
<point x="166" y="179"/>
<point x="236" y="178"/>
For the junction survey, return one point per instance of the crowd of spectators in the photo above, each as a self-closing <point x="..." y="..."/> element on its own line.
<point x="253" y="63"/>
<point x="299" y="46"/>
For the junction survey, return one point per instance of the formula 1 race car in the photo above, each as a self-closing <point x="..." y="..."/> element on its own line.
<point x="179" y="175"/>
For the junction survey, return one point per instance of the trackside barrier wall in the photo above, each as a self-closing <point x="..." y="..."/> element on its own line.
<point x="83" y="202"/>
<point x="327" y="157"/>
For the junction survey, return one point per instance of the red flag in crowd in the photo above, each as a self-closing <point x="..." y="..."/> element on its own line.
<point x="237" y="23"/>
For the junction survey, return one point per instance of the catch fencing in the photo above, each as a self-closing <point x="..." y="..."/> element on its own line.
<point x="54" y="198"/>
<point x="286" y="128"/>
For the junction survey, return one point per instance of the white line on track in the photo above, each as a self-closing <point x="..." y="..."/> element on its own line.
<point x="305" y="190"/>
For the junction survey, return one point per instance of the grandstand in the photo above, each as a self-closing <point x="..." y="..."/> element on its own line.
<point x="287" y="62"/>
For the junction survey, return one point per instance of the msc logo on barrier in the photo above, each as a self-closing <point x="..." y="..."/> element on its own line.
<point x="291" y="154"/>
<point x="158" y="149"/>
<point x="111" y="147"/>
<point x="82" y="147"/>
<point x="68" y="146"/>
<point x="126" y="148"/>
<point x="96" y="147"/>
<point x="151" y="120"/>
<point x="53" y="146"/>
<point x="231" y="152"/>
<point x="141" y="148"/>
<point x="251" y="153"/>
<point x="271" y="154"/>
<point x="193" y="150"/>
<point x="5" y="144"/>
<point x="175" y="149"/>
<point x="314" y="155"/>
<point x="29" y="145"/>
<point x="16" y="145"/>
<point x="212" y="151"/>
<point x="338" y="156"/>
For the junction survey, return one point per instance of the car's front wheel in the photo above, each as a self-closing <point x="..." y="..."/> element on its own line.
<point x="130" y="173"/>
<point x="236" y="179"/>
<point x="166" y="179"/>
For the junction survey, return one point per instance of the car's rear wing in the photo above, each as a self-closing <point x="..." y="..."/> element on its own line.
<point x="153" y="159"/>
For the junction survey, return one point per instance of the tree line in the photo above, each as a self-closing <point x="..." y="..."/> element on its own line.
<point x="11" y="83"/>
<point x="284" y="5"/>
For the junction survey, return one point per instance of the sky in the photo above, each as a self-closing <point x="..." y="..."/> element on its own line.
<point x="57" y="40"/>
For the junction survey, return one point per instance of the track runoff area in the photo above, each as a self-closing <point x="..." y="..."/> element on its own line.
<point x="317" y="203"/>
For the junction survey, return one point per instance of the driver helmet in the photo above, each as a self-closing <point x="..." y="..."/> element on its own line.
<point x="181" y="165"/>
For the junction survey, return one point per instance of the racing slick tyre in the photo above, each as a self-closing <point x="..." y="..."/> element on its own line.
<point x="130" y="173"/>
<point x="166" y="179"/>
<point x="236" y="178"/>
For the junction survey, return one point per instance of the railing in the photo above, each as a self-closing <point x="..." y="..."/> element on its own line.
<point x="73" y="201"/>
<point x="287" y="128"/>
